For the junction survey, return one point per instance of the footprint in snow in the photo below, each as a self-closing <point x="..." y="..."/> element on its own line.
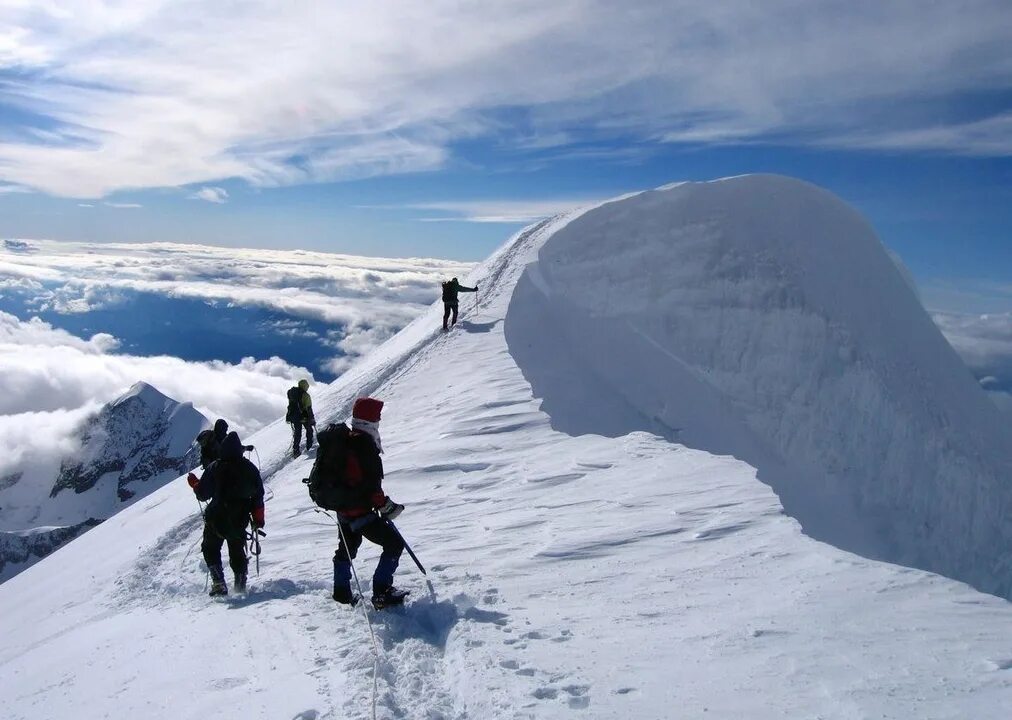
<point x="579" y="696"/>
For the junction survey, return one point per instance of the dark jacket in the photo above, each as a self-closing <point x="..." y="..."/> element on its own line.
<point x="451" y="288"/>
<point x="231" y="481"/>
<point x="365" y="474"/>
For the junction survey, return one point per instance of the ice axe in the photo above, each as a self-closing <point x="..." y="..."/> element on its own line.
<point x="406" y="546"/>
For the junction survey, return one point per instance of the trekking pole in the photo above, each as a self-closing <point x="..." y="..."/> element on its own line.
<point x="406" y="546"/>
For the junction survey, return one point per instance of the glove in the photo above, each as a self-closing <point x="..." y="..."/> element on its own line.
<point x="192" y="480"/>
<point x="247" y="448"/>
<point x="391" y="510"/>
<point x="258" y="517"/>
<point x="476" y="287"/>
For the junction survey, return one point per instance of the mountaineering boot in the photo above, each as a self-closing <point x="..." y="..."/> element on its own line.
<point x="240" y="582"/>
<point x="389" y="597"/>
<point x="342" y="583"/>
<point x="217" y="581"/>
<point x="346" y="597"/>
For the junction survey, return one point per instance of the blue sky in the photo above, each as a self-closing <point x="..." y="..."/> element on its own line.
<point x="437" y="128"/>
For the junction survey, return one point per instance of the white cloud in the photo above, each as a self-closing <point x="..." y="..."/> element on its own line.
<point x="51" y="380"/>
<point x="991" y="136"/>
<point x="370" y="298"/>
<point x="122" y="205"/>
<point x="211" y="194"/>
<point x="168" y="93"/>
<point x="31" y="442"/>
<point x="983" y="341"/>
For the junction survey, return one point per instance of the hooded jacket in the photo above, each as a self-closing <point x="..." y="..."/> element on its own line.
<point x="210" y="442"/>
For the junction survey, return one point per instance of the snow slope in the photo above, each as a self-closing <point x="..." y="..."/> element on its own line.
<point x="133" y="445"/>
<point x="573" y="575"/>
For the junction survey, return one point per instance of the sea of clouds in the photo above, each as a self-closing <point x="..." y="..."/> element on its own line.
<point x="53" y="378"/>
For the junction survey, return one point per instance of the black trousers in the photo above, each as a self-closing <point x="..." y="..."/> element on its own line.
<point x="210" y="546"/>
<point x="297" y="435"/>
<point x="377" y="532"/>
<point x="449" y="307"/>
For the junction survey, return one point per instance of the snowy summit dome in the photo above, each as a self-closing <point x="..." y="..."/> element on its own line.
<point x="759" y="316"/>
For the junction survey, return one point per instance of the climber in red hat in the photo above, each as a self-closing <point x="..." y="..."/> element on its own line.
<point x="367" y="517"/>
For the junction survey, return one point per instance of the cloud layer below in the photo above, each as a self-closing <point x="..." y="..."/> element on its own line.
<point x="985" y="344"/>
<point x="112" y="96"/>
<point x="363" y="300"/>
<point x="51" y="379"/>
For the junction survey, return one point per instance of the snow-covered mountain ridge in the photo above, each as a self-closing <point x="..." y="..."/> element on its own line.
<point x="132" y="446"/>
<point x="617" y="574"/>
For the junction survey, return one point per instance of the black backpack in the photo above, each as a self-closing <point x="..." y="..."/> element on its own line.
<point x="237" y="487"/>
<point x="239" y="482"/>
<point x="294" y="405"/>
<point x="330" y="485"/>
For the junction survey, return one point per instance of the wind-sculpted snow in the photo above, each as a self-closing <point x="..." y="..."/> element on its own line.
<point x="760" y="317"/>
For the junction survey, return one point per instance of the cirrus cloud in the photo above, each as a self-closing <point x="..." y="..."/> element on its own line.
<point x="113" y="96"/>
<point x="211" y="194"/>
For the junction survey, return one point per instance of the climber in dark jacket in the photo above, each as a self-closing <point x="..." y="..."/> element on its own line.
<point x="236" y="491"/>
<point x="299" y="415"/>
<point x="450" y="289"/>
<point x="365" y="515"/>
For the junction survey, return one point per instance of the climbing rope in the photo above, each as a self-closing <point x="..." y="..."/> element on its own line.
<point x="253" y="544"/>
<point x="361" y="595"/>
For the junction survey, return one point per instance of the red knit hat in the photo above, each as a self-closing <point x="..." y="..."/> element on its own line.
<point x="367" y="409"/>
